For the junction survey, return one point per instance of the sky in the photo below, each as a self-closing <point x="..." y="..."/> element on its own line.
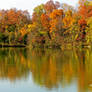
<point x="29" y="4"/>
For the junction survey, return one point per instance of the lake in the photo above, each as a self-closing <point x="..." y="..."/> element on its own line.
<point x="39" y="70"/>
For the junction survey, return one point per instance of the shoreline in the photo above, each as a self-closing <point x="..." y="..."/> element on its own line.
<point x="12" y="45"/>
<point x="63" y="46"/>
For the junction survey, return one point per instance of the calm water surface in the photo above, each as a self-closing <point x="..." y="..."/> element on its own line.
<point x="24" y="70"/>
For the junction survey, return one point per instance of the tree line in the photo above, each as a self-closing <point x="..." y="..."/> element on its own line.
<point x="51" y="25"/>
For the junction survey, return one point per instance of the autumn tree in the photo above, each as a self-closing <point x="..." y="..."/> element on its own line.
<point x="46" y="23"/>
<point x="36" y="33"/>
<point x="56" y="20"/>
<point x="51" y="5"/>
<point x="85" y="11"/>
<point x="11" y="21"/>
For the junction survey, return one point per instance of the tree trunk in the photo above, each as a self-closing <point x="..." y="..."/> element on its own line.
<point x="49" y="35"/>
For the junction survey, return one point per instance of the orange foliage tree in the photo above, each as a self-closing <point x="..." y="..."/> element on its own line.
<point x="56" y="20"/>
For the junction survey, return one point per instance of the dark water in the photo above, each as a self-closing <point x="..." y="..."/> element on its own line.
<point x="24" y="70"/>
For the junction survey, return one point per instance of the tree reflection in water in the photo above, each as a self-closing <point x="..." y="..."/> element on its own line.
<point x="49" y="68"/>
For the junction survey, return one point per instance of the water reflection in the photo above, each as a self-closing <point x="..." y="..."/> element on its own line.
<point x="12" y="64"/>
<point x="49" y="68"/>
